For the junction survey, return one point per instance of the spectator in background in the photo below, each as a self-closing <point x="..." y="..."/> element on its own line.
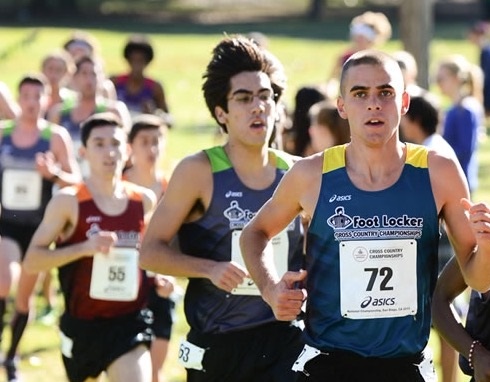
<point x="462" y="82"/>
<point x="298" y="133"/>
<point x="409" y="68"/>
<point x="140" y="93"/>
<point x="259" y="38"/>
<point x="82" y="44"/>
<point x="479" y="34"/>
<point x="367" y="30"/>
<point x="421" y="122"/>
<point x="419" y="125"/>
<point x="86" y="80"/>
<point x="327" y="127"/>
<point x="58" y="68"/>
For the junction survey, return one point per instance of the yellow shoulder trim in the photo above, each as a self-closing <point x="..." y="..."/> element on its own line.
<point x="333" y="158"/>
<point x="417" y="155"/>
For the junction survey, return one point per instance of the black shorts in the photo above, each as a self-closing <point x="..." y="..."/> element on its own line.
<point x="262" y="354"/>
<point x="163" y="314"/>
<point x="97" y="343"/>
<point x="20" y="233"/>
<point x="344" y="366"/>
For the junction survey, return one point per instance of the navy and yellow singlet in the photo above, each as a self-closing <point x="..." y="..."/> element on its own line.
<point x="372" y="261"/>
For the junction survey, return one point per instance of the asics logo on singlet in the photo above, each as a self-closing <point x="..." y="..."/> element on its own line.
<point x="93" y="219"/>
<point x="377" y="302"/>
<point x="339" y="198"/>
<point x="233" y="194"/>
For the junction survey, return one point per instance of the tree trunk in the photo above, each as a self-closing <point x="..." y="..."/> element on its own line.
<point x="485" y="9"/>
<point x="416" y="28"/>
<point x="316" y="9"/>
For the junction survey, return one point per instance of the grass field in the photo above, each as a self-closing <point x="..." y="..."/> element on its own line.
<point x="307" y="51"/>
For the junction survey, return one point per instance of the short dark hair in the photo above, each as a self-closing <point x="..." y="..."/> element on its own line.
<point x="424" y="111"/>
<point x="234" y="55"/>
<point x="83" y="60"/>
<point x="34" y="79"/>
<point x="145" y="122"/>
<point x="98" y="120"/>
<point x="139" y="43"/>
<point x="367" y="57"/>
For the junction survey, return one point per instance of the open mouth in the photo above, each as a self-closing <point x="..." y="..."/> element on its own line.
<point x="374" y="122"/>
<point x="257" y="125"/>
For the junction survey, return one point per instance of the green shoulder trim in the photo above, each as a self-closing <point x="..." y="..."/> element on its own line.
<point x="100" y="107"/>
<point x="417" y="155"/>
<point x="218" y="158"/>
<point x="68" y="105"/>
<point x="333" y="158"/>
<point x="47" y="132"/>
<point x="220" y="161"/>
<point x="8" y="127"/>
<point x="284" y="161"/>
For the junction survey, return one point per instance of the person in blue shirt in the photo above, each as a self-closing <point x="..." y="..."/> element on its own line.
<point x="464" y="120"/>
<point x="479" y="34"/>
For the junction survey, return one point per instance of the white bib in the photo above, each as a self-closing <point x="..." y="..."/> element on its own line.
<point x="378" y="278"/>
<point x="280" y="247"/>
<point x="21" y="189"/>
<point x="307" y="354"/>
<point x="190" y="355"/>
<point x="115" y="275"/>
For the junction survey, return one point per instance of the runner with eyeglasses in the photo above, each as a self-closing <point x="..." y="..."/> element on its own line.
<point x="210" y="197"/>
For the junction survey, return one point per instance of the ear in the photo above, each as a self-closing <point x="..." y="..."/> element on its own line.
<point x="405" y="102"/>
<point x="221" y="115"/>
<point x="340" y="107"/>
<point x="81" y="151"/>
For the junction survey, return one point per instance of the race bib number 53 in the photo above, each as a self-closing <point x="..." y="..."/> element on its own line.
<point x="190" y="355"/>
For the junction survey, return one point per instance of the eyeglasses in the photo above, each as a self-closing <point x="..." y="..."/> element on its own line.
<point x="246" y="98"/>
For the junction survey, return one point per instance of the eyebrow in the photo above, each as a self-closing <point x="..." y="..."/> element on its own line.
<point x="238" y="91"/>
<point x="379" y="87"/>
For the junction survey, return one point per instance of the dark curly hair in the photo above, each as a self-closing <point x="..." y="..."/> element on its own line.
<point x="139" y="43"/>
<point x="234" y="55"/>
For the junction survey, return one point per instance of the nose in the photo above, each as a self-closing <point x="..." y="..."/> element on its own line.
<point x="111" y="151"/>
<point x="258" y="105"/>
<point x="374" y="103"/>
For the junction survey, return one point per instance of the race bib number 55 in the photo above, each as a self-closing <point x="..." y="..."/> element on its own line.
<point x="115" y="275"/>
